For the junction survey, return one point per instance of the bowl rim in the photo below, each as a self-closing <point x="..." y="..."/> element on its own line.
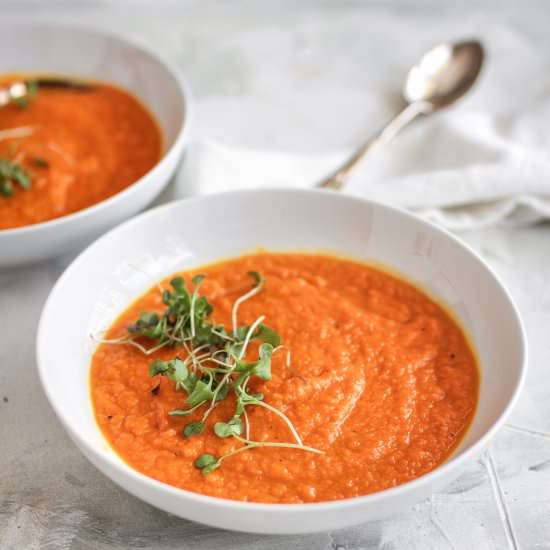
<point x="438" y="473"/>
<point x="185" y="96"/>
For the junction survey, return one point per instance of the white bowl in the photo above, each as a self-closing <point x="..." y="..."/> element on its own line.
<point x="100" y="284"/>
<point x="95" y="54"/>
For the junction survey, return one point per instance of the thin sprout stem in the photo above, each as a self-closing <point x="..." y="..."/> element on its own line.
<point x="253" y="444"/>
<point x="119" y="340"/>
<point x="252" y="292"/>
<point x="228" y="291"/>
<point x="288" y="364"/>
<point x="188" y="360"/>
<point x="247" y="423"/>
<point x="130" y="341"/>
<point x="138" y="346"/>
<point x="188" y="411"/>
<point x="212" y="369"/>
<point x="184" y="338"/>
<point x="235" y="452"/>
<point x="218" y="362"/>
<point x="249" y="334"/>
<point x="200" y="359"/>
<point x="288" y="354"/>
<point x="150" y="350"/>
<point x="224" y="336"/>
<point x="204" y="346"/>
<point x="209" y="358"/>
<point x="191" y="354"/>
<point x="217" y="391"/>
<point x="203" y="358"/>
<point x="281" y="415"/>
<point x="196" y="364"/>
<point x="178" y="327"/>
<point x="193" y="316"/>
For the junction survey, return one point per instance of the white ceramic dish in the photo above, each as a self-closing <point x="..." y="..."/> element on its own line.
<point x="100" y="283"/>
<point x="47" y="48"/>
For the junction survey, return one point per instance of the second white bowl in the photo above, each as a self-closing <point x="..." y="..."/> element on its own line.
<point x="46" y="48"/>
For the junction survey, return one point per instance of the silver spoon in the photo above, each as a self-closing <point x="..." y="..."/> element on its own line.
<point x="20" y="89"/>
<point x="442" y="76"/>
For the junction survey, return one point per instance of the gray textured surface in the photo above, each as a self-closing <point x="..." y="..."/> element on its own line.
<point x="265" y="75"/>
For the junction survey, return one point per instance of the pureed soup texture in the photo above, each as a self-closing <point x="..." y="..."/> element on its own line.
<point x="284" y="378"/>
<point x="63" y="149"/>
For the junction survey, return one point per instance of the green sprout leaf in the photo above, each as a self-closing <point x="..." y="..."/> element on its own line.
<point x="6" y="187"/>
<point x="227" y="429"/>
<point x="201" y="392"/>
<point x="205" y="460"/>
<point x="148" y="319"/>
<point x="148" y="324"/>
<point x="263" y="366"/>
<point x="260" y="368"/>
<point x="222" y="392"/>
<point x="158" y="367"/>
<point x="179" y="373"/>
<point x="174" y="370"/>
<point x="11" y="174"/>
<point x="193" y="428"/>
<point x="197" y="280"/>
<point x="206" y="463"/>
<point x="258" y="279"/>
<point x="30" y="95"/>
<point x="267" y="336"/>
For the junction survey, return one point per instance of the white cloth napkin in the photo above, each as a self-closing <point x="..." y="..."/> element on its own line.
<point x="462" y="169"/>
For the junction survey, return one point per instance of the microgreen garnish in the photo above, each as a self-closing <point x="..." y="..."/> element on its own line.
<point x="11" y="174"/>
<point x="206" y="463"/>
<point x="226" y="429"/>
<point x="30" y="95"/>
<point x="193" y="428"/>
<point x="216" y="364"/>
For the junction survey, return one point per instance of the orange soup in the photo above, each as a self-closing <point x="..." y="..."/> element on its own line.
<point x="75" y="147"/>
<point x="352" y="380"/>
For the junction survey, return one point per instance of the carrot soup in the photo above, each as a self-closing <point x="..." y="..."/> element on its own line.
<point x="284" y="378"/>
<point x="63" y="149"/>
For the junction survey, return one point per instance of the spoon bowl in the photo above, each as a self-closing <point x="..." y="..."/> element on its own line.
<point x="444" y="74"/>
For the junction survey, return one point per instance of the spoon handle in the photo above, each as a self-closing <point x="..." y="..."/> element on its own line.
<point x="338" y="178"/>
